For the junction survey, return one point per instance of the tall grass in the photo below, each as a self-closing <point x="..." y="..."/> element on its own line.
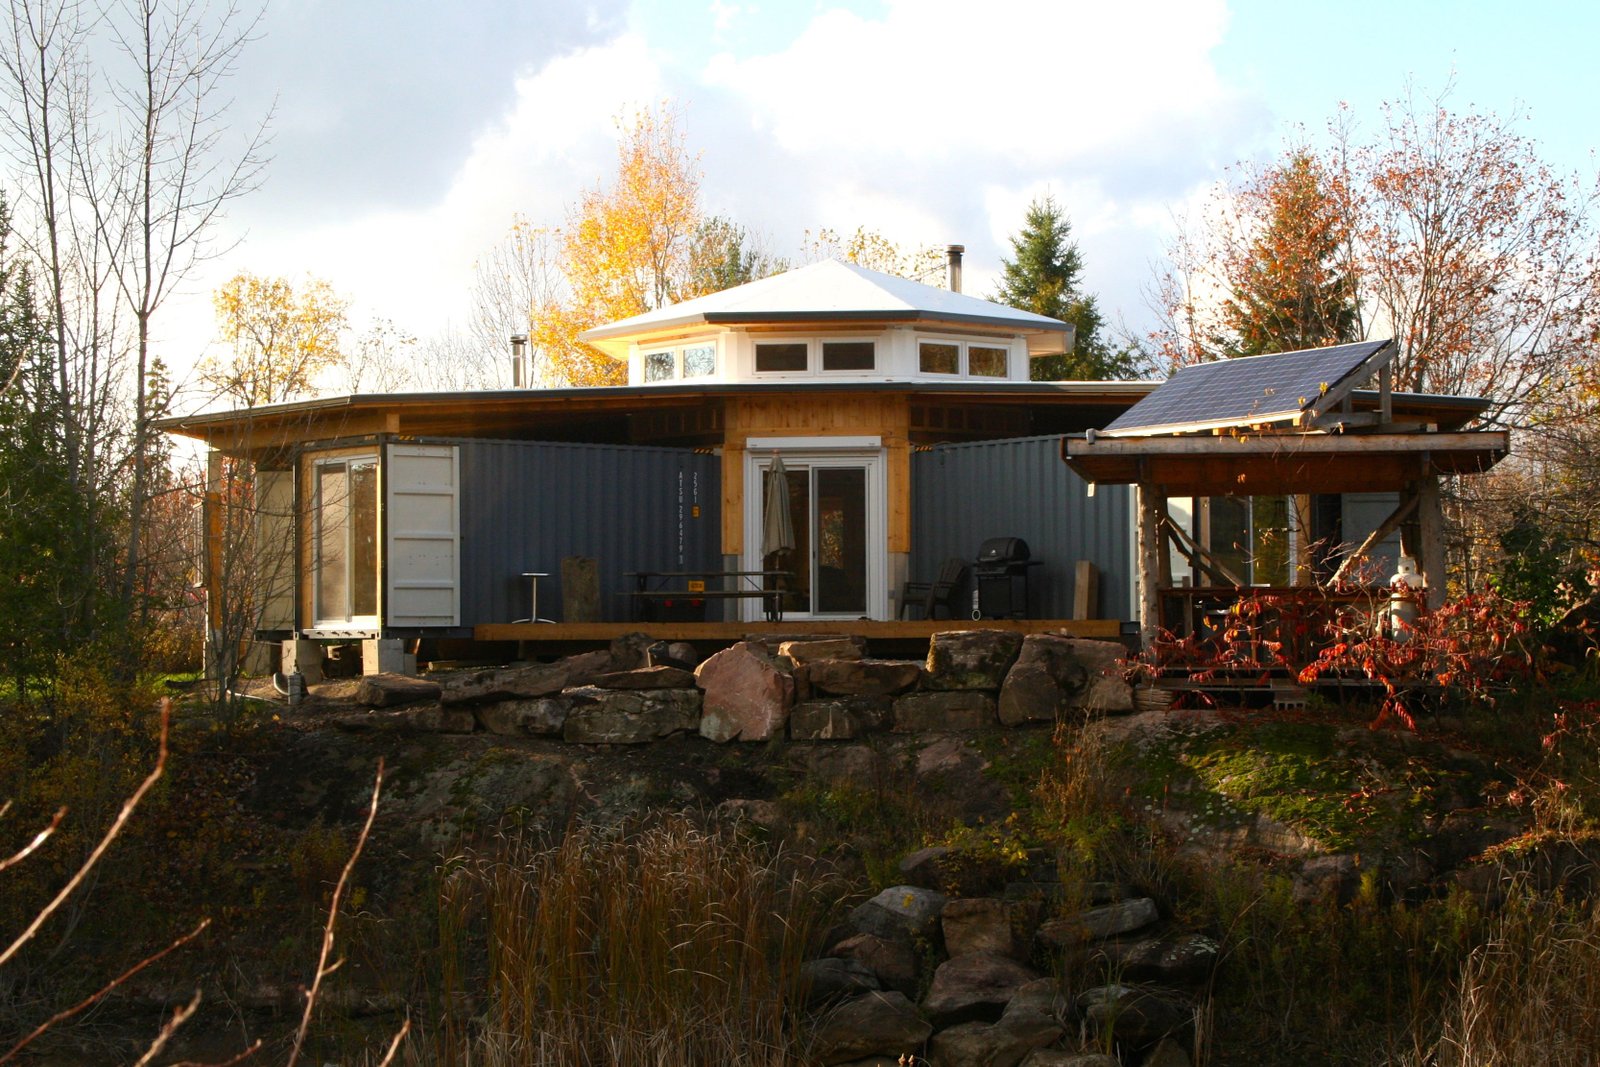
<point x="1530" y="993"/>
<point x="662" y="944"/>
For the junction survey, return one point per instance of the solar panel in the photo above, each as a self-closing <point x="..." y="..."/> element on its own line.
<point x="1281" y="387"/>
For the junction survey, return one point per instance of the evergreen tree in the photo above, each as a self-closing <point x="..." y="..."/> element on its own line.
<point x="1292" y="287"/>
<point x="1043" y="277"/>
<point x="45" y="605"/>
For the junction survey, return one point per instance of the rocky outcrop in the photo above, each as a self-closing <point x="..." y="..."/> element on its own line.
<point x="629" y="716"/>
<point x="936" y="712"/>
<point x="974" y="985"/>
<point x="538" y="717"/>
<point x="971" y="659"/>
<point x="864" y="677"/>
<point x="394" y="690"/>
<point x="873" y="1024"/>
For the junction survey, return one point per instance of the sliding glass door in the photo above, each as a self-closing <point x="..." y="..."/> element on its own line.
<point x="834" y="556"/>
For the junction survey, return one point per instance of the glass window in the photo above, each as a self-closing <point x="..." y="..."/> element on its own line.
<point x="849" y="355"/>
<point x="699" y="361"/>
<point x="984" y="362"/>
<point x="939" y="357"/>
<point x="346" y="580"/>
<point x="660" y="366"/>
<point x="783" y="356"/>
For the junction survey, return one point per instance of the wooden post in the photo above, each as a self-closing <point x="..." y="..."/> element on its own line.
<point x="1152" y="506"/>
<point x="1430" y="523"/>
<point x="211" y="517"/>
<point x="1302" y="570"/>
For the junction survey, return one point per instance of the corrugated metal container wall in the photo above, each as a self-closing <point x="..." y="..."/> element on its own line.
<point x="525" y="505"/>
<point x="963" y="494"/>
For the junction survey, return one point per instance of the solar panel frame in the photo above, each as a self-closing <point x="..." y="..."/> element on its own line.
<point x="1296" y="387"/>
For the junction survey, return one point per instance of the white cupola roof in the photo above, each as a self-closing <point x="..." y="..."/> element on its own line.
<point x="839" y="292"/>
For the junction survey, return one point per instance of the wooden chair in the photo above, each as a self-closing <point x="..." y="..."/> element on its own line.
<point x="942" y="591"/>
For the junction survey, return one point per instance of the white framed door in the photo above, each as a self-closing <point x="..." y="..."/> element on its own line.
<point x="838" y="515"/>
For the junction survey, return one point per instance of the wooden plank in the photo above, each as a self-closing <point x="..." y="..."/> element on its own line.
<point x="1104" y="629"/>
<point x="1430" y="520"/>
<point x="1085" y="591"/>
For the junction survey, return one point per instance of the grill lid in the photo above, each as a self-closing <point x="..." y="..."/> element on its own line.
<point x="997" y="550"/>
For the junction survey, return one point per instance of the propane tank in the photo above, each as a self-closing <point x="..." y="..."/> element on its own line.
<point x="1403" y="611"/>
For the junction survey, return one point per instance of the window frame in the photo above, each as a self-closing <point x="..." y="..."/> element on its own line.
<point x="321" y="619"/>
<point x="676" y="350"/>
<point x="964" y="346"/>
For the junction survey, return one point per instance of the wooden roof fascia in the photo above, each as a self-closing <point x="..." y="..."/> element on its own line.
<point x="1285" y="463"/>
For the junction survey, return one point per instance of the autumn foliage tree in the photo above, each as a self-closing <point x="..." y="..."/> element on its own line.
<point x="868" y="248"/>
<point x="1445" y="231"/>
<point x="626" y="248"/>
<point x="279" y="338"/>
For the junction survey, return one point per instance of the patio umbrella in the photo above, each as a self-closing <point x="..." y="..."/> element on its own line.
<point x="777" y="528"/>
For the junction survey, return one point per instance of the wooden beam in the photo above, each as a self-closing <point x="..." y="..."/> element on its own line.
<point x="1200" y="556"/>
<point x="1104" y="629"/>
<point x="1384" y="529"/>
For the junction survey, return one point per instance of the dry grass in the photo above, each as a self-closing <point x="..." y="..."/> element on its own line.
<point x="1530" y="993"/>
<point x="664" y="944"/>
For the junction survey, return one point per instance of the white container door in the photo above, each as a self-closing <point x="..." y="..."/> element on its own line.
<point x="423" y="526"/>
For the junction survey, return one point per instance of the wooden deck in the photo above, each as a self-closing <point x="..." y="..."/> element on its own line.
<point x="916" y="630"/>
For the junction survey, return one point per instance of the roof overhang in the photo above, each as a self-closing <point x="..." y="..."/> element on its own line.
<point x="615" y="340"/>
<point x="1249" y="465"/>
<point x="518" y="413"/>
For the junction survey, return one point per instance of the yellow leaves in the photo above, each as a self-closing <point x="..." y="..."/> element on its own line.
<point x="870" y="249"/>
<point x="625" y="249"/>
<point x="280" y="339"/>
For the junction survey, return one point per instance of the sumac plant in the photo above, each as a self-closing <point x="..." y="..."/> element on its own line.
<point x="1475" y="647"/>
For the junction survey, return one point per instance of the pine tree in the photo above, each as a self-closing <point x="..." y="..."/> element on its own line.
<point x="1292" y="287"/>
<point x="1043" y="277"/>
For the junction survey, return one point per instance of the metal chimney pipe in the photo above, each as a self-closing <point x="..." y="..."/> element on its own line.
<point x="954" y="252"/>
<point x="519" y="360"/>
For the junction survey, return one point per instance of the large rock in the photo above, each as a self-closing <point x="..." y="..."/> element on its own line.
<point x="680" y="654"/>
<point x="658" y="677"/>
<point x="971" y="659"/>
<point x="1031" y="1021"/>
<point x="802" y="652"/>
<point x="539" y="717"/>
<point x="1167" y="1053"/>
<point x="631" y="651"/>
<point x="823" y="720"/>
<point x="832" y="978"/>
<point x="1134" y="1017"/>
<point x="1041" y="683"/>
<point x="1105" y="691"/>
<point x="746" y="696"/>
<point x="1171" y="961"/>
<point x="930" y="712"/>
<point x="1055" y="674"/>
<point x="977" y="985"/>
<point x="864" y="677"/>
<point x="394" y="690"/>
<point x="506" y="683"/>
<point x="583" y="668"/>
<point x="1099" y="923"/>
<point x="983" y="924"/>
<point x="927" y="867"/>
<point x="629" y="716"/>
<point x="881" y="1024"/>
<point x="903" y="911"/>
<point x="1052" y="1057"/>
<point x="891" y="960"/>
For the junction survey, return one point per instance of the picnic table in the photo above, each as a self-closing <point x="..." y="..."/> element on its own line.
<point x="657" y="590"/>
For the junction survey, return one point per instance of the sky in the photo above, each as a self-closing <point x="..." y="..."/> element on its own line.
<point x="405" y="135"/>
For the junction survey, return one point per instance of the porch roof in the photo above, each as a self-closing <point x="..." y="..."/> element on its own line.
<point x="1281" y="463"/>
